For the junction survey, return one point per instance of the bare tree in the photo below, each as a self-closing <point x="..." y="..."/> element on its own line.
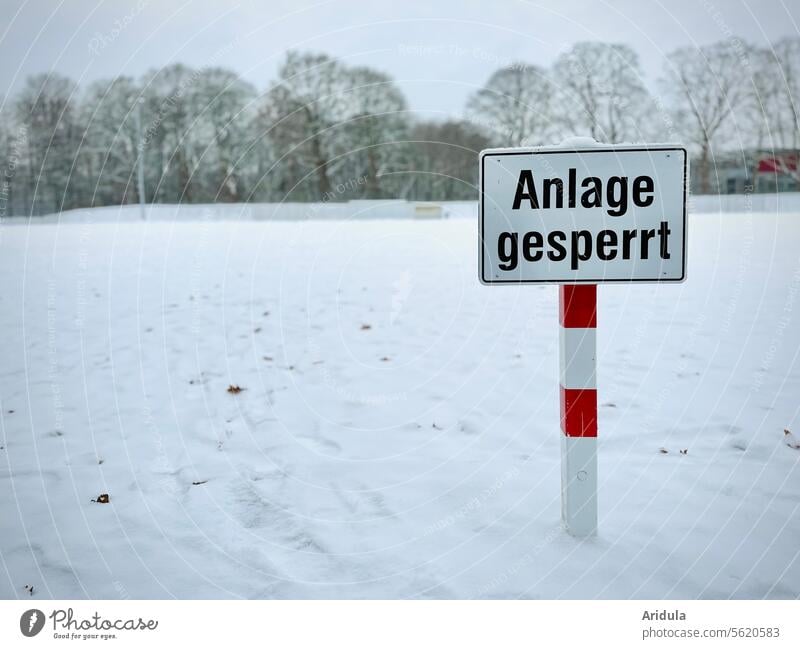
<point x="222" y="102"/>
<point x="7" y="163"/>
<point x="303" y="108"/>
<point x="109" y="140"/>
<point x="787" y="114"/>
<point x="515" y="106"/>
<point x="758" y="124"/>
<point x="707" y="85"/>
<point x="601" y="92"/>
<point x="445" y="157"/>
<point x="171" y="151"/>
<point x="376" y="128"/>
<point x="46" y="108"/>
<point x="787" y="55"/>
<point x="761" y="101"/>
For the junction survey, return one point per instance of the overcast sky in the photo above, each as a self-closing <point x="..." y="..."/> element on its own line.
<point x="439" y="52"/>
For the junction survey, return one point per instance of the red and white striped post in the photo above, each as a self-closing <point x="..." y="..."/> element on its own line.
<point x="578" y="358"/>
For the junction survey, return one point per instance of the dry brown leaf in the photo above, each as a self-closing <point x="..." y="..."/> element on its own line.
<point x="234" y="389"/>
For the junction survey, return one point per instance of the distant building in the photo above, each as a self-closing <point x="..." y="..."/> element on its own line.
<point x="754" y="170"/>
<point x="777" y="171"/>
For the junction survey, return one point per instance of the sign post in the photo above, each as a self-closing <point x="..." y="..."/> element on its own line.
<point x="577" y="350"/>
<point x="577" y="217"/>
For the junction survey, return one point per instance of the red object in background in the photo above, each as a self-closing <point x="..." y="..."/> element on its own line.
<point x="778" y="164"/>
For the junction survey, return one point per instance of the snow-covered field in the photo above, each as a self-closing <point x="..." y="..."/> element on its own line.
<point x="397" y="430"/>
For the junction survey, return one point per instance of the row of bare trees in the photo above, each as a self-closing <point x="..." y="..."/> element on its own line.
<point x="328" y="131"/>
<point x="722" y="98"/>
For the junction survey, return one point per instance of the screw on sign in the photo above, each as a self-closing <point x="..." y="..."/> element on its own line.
<point x="579" y="215"/>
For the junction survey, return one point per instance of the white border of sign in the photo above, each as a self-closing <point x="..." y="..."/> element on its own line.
<point x="600" y="148"/>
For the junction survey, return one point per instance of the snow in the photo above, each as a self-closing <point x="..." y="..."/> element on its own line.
<point x="363" y="210"/>
<point x="397" y="435"/>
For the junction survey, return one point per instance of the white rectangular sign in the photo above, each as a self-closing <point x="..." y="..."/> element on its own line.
<point x="593" y="215"/>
